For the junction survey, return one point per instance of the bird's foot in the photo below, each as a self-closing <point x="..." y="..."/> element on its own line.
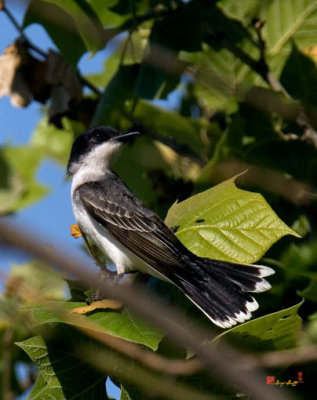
<point x="104" y="275"/>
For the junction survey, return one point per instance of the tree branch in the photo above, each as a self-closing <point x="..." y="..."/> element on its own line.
<point x="221" y="361"/>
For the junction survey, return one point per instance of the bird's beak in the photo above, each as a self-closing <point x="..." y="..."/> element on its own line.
<point x="125" y="137"/>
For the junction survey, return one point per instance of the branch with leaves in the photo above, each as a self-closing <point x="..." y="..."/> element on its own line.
<point x="218" y="361"/>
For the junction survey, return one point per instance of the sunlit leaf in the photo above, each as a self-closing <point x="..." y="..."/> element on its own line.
<point x="122" y="324"/>
<point x="284" y="20"/>
<point x="227" y="223"/>
<point x="220" y="76"/>
<point x="244" y="11"/>
<point x="83" y="19"/>
<point x="108" y="17"/>
<point x="59" y="25"/>
<point x="276" y="331"/>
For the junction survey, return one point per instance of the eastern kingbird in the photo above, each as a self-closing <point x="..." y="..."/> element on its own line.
<point x="135" y="238"/>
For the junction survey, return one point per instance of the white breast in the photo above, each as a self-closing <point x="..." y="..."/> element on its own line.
<point x="123" y="259"/>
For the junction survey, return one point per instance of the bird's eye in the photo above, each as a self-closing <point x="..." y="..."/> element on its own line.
<point x="97" y="137"/>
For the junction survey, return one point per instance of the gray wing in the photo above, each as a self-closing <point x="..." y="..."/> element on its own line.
<point x="136" y="227"/>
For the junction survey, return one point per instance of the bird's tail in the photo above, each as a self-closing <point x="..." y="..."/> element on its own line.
<point x="220" y="289"/>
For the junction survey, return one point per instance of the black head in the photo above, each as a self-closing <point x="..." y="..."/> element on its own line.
<point x="94" y="137"/>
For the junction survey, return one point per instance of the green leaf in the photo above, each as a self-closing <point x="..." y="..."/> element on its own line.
<point x="244" y="11"/>
<point x="310" y="292"/>
<point x="12" y="187"/>
<point x="64" y="21"/>
<point x="227" y="223"/>
<point x="39" y="388"/>
<point x="122" y="324"/>
<point x="169" y="123"/>
<point x="108" y="17"/>
<point x="17" y="180"/>
<point x="219" y="77"/>
<point x="276" y="331"/>
<point x="54" y="142"/>
<point x="299" y="77"/>
<point x="124" y="395"/>
<point x="42" y="278"/>
<point x="289" y="19"/>
<point x="59" y="25"/>
<point x="61" y="374"/>
<point x="301" y="259"/>
<point x="150" y="80"/>
<point x="111" y="102"/>
<point x="129" y="52"/>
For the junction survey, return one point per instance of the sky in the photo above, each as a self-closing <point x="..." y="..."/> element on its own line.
<point x="17" y="125"/>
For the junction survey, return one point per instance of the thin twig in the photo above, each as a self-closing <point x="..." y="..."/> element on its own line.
<point x="221" y="361"/>
<point x="262" y="65"/>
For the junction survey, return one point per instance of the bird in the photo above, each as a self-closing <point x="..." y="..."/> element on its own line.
<point x="136" y="239"/>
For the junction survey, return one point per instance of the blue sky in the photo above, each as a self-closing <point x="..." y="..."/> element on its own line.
<point x="53" y="213"/>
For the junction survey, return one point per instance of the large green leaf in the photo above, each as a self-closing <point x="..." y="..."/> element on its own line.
<point x="289" y="19"/>
<point x="122" y="324"/>
<point x="73" y="25"/>
<point x="284" y="20"/>
<point x="61" y="374"/>
<point x="276" y="331"/>
<point x="220" y="76"/>
<point x="227" y="223"/>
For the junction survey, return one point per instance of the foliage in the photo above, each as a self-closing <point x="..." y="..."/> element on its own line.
<point x="243" y="78"/>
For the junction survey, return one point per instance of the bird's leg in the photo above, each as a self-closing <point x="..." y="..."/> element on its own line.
<point x="104" y="273"/>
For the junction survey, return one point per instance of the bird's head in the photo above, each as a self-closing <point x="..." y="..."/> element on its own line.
<point x="97" y="147"/>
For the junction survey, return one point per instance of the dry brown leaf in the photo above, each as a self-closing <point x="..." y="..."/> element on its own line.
<point x="60" y="72"/>
<point x="67" y="90"/>
<point x="75" y="231"/>
<point x="12" y="82"/>
<point x="22" y="77"/>
<point x="99" y="304"/>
